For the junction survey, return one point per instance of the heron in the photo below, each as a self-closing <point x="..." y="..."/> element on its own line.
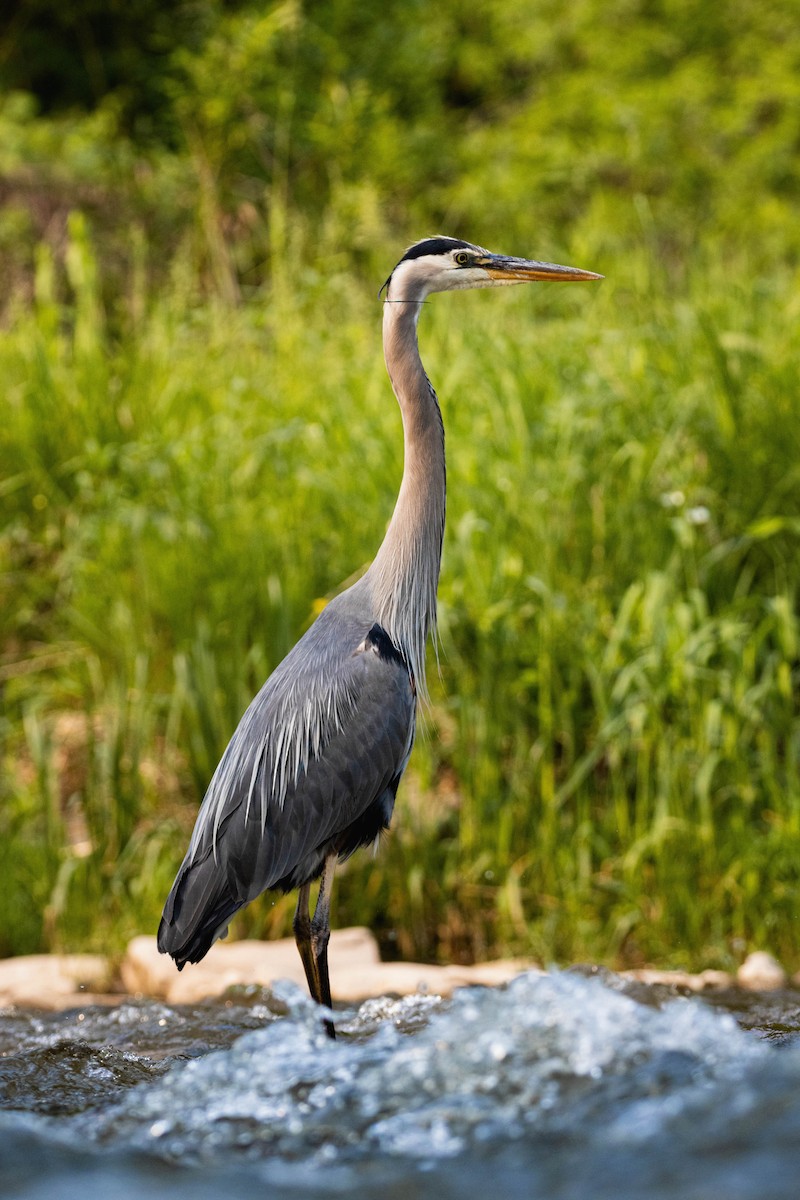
<point x="312" y="770"/>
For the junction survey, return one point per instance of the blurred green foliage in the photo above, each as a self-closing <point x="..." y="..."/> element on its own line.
<point x="194" y="454"/>
<point x="531" y="119"/>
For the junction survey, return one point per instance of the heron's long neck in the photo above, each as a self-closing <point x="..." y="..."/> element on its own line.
<point x="405" y="573"/>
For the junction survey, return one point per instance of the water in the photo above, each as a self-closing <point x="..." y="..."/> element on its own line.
<point x="558" y="1087"/>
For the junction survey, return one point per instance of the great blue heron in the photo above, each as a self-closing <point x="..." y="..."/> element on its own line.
<point x="311" y="772"/>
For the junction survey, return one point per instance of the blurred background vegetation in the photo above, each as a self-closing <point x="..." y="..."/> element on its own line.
<point x="198" y="201"/>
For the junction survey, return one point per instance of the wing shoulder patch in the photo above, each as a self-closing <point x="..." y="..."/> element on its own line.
<point x="378" y="642"/>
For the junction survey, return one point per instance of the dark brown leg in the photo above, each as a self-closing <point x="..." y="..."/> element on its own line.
<point x="321" y="928"/>
<point x="312" y="937"/>
<point x="302" y="936"/>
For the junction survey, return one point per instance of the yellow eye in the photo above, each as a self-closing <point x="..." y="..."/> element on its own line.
<point x="463" y="259"/>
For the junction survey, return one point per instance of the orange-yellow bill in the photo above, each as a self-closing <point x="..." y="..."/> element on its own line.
<point x="521" y="269"/>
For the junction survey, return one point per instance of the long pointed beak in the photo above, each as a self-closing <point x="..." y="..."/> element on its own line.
<point x="523" y="269"/>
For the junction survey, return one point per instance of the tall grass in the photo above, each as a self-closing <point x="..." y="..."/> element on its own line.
<point x="609" y="767"/>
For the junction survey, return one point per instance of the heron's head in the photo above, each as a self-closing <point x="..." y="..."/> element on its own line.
<point x="446" y="264"/>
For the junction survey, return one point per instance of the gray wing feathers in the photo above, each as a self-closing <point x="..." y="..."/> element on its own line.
<point x="327" y="735"/>
<point x="358" y="762"/>
<point x="326" y="687"/>
<point x="278" y="735"/>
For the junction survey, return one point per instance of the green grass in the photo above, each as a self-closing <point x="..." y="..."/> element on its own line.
<point x="609" y="767"/>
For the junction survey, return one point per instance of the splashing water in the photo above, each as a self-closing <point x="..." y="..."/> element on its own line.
<point x="556" y="1086"/>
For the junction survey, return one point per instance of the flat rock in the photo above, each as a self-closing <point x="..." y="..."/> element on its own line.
<point x="699" y="981"/>
<point x="146" y="972"/>
<point x="62" y="980"/>
<point x="53" y="980"/>
<point x="356" y="970"/>
<point x="761" y="973"/>
<point x="405" y="978"/>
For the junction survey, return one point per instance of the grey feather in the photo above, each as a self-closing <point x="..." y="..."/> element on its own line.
<point x="303" y="772"/>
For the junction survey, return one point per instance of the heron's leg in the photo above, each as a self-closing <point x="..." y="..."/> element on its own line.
<point x="312" y="937"/>
<point x="302" y="936"/>
<point x="321" y="928"/>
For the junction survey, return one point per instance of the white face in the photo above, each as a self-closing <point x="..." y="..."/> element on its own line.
<point x="416" y="278"/>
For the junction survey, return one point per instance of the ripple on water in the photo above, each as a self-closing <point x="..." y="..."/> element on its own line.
<point x="549" y="1087"/>
<point x="488" y="1066"/>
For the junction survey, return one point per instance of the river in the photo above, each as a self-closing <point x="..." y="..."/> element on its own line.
<point x="566" y="1086"/>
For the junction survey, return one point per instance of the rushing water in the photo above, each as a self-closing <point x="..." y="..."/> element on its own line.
<point x="558" y="1086"/>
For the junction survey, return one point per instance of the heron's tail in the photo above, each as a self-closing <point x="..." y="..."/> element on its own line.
<point x="197" y="911"/>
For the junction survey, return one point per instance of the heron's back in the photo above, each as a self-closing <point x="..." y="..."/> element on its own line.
<point x="311" y="770"/>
